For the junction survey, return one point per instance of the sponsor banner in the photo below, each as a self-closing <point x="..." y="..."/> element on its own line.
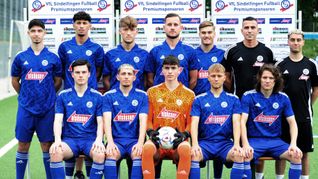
<point x="275" y="18"/>
<point x="57" y="16"/>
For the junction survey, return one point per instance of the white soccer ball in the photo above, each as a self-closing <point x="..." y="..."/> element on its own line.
<point x="166" y="137"/>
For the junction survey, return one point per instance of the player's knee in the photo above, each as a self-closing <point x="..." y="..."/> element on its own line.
<point x="114" y="156"/>
<point x="56" y="157"/>
<point x="45" y="146"/>
<point x="98" y="157"/>
<point x="23" y="146"/>
<point x="184" y="150"/>
<point x="148" y="150"/>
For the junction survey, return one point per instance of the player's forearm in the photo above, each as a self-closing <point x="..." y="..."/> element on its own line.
<point x="100" y="131"/>
<point x="293" y="130"/>
<point x="108" y="131"/>
<point x="236" y="129"/>
<point x="193" y="79"/>
<point x="243" y="130"/>
<point x="57" y="83"/>
<point x="194" y="131"/>
<point x="57" y="127"/>
<point x="228" y="81"/>
<point x="16" y="84"/>
<point x="314" y="95"/>
<point x="106" y="82"/>
<point x="98" y="73"/>
<point x="150" y="77"/>
<point x="142" y="128"/>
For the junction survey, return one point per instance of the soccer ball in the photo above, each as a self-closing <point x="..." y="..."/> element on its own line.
<point x="166" y="137"/>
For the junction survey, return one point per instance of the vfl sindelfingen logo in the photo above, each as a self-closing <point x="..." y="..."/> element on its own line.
<point x="102" y="5"/>
<point x="129" y="5"/>
<point x="220" y="5"/>
<point x="37" y="5"/>
<point x="194" y="4"/>
<point x="285" y="4"/>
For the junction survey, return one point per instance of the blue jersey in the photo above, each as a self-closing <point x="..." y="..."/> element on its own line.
<point x="37" y="93"/>
<point x="136" y="57"/>
<point x="186" y="55"/>
<point x="215" y="115"/>
<point x="205" y="60"/>
<point x="69" y="51"/>
<point x="265" y="114"/>
<point x="80" y="113"/>
<point x="125" y="111"/>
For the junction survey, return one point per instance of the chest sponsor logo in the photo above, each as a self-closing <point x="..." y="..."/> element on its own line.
<point x="216" y="119"/>
<point x="170" y="114"/>
<point x="35" y="75"/>
<point x="79" y="118"/>
<point x="125" y="117"/>
<point x="258" y="64"/>
<point x="203" y="74"/>
<point x="70" y="67"/>
<point x="135" y="72"/>
<point x="270" y="119"/>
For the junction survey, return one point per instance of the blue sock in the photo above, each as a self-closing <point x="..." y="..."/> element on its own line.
<point x="97" y="171"/>
<point x="110" y="170"/>
<point x="57" y="170"/>
<point x="69" y="166"/>
<point x="88" y="166"/>
<point x="247" y="170"/>
<point x="136" y="172"/>
<point x="195" y="170"/>
<point x="294" y="171"/>
<point x="217" y="168"/>
<point x="21" y="161"/>
<point x="46" y="162"/>
<point x="237" y="170"/>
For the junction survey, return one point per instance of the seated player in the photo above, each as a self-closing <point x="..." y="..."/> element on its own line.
<point x="125" y="111"/>
<point x="169" y="105"/>
<point x="79" y="111"/>
<point x="215" y="119"/>
<point x="263" y="111"/>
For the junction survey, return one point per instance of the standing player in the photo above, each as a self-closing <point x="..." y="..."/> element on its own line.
<point x="78" y="124"/>
<point x="169" y="105"/>
<point x="173" y="46"/>
<point x="207" y="54"/>
<point x="215" y="119"/>
<point x="82" y="47"/>
<point x="125" y="111"/>
<point x="263" y="112"/>
<point x="245" y="58"/>
<point x="301" y="85"/>
<point x="127" y="52"/>
<point x="36" y="76"/>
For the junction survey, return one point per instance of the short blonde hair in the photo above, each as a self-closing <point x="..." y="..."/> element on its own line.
<point x="295" y="31"/>
<point x="125" y="65"/>
<point x="216" y="68"/>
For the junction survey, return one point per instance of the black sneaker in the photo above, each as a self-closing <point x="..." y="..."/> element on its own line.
<point x="79" y="175"/>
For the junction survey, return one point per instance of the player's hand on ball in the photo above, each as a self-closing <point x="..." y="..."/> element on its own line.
<point x="180" y="137"/>
<point x="153" y="136"/>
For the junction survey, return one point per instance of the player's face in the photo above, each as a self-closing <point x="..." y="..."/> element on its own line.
<point x="81" y="27"/>
<point x="216" y="79"/>
<point x="36" y="34"/>
<point x="128" y="35"/>
<point x="172" y="27"/>
<point x="207" y="35"/>
<point x="296" y="43"/>
<point x="267" y="81"/>
<point x="249" y="30"/>
<point x="170" y="72"/>
<point x="126" y="77"/>
<point x="81" y="75"/>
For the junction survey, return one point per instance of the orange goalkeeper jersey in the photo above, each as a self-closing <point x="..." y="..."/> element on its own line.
<point x="170" y="108"/>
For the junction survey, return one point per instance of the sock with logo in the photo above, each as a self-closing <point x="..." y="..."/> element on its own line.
<point x="294" y="170"/>
<point x="46" y="162"/>
<point x="237" y="170"/>
<point x="88" y="166"/>
<point x="195" y="170"/>
<point x="69" y="167"/>
<point x="57" y="170"/>
<point x="247" y="170"/>
<point x="136" y="169"/>
<point x="110" y="169"/>
<point x="97" y="170"/>
<point x="21" y="162"/>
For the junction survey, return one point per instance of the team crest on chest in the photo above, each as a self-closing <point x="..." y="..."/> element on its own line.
<point x="89" y="104"/>
<point x="259" y="61"/>
<point x="136" y="59"/>
<point x="179" y="102"/>
<point x="89" y="52"/>
<point x="134" y="102"/>
<point x="305" y="75"/>
<point x="180" y="56"/>
<point x="214" y="59"/>
<point x="275" y="105"/>
<point x="224" y="104"/>
<point x="45" y="62"/>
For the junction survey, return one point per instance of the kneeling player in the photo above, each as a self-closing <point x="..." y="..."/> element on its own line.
<point x="79" y="111"/>
<point x="169" y="105"/>
<point x="125" y="111"/>
<point x="215" y="119"/>
<point x="263" y="110"/>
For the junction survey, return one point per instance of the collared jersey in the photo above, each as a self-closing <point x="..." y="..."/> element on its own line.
<point x="185" y="54"/>
<point x="80" y="113"/>
<point x="136" y="57"/>
<point x="69" y="51"/>
<point x="265" y="114"/>
<point x="170" y="108"/>
<point x="215" y="115"/>
<point x="299" y="79"/>
<point x="125" y="111"/>
<point x="246" y="62"/>
<point x="37" y="93"/>
<point x="206" y="59"/>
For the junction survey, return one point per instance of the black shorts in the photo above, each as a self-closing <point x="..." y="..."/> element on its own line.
<point x="305" y="137"/>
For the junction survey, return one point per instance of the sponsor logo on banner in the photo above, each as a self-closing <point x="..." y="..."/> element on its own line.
<point x="48" y="21"/>
<point x="285" y="4"/>
<point x="37" y="5"/>
<point x="224" y="30"/>
<point x="280" y="20"/>
<point x="216" y="119"/>
<point x="194" y="4"/>
<point x="142" y="20"/>
<point x="280" y="30"/>
<point x="227" y="21"/>
<point x="129" y="5"/>
<point x="270" y="119"/>
<point x="220" y="5"/>
<point x="102" y="5"/>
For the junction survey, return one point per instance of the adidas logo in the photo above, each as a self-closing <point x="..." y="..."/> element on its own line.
<point x="26" y="63"/>
<point x="286" y="72"/>
<point x="159" y="100"/>
<point x="115" y="103"/>
<point x="162" y="57"/>
<point x="207" y="105"/>
<point x="20" y="162"/>
<point x="99" y="173"/>
<point x="117" y="60"/>
<point x="240" y="59"/>
<point x="69" y="52"/>
<point x="257" y="105"/>
<point x="70" y="103"/>
<point x="182" y="172"/>
<point x="146" y="172"/>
